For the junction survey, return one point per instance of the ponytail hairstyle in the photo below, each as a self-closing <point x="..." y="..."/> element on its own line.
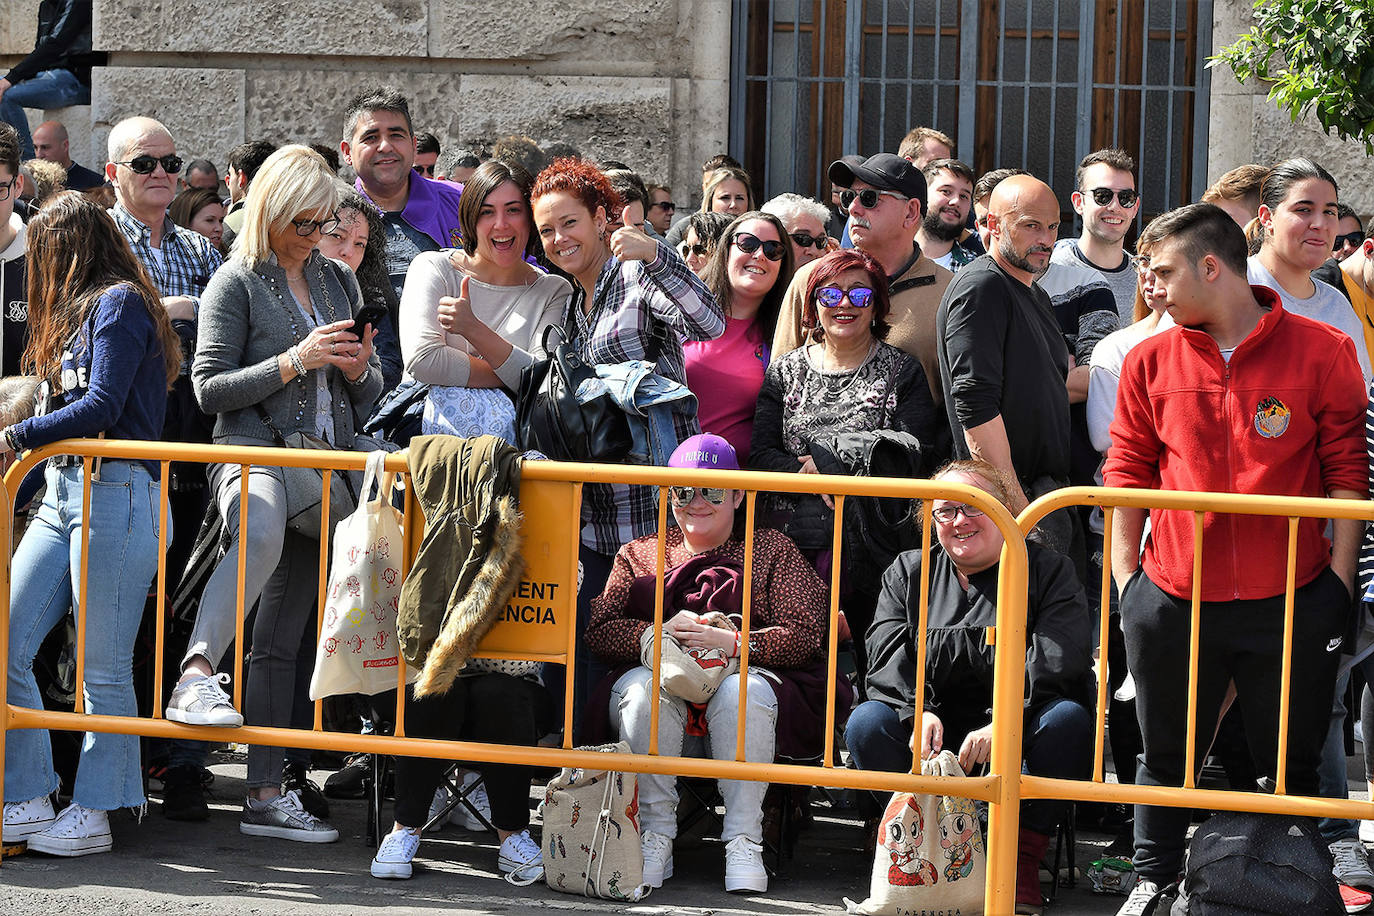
<point x="1279" y="181"/>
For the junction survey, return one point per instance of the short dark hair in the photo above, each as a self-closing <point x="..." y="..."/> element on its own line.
<point x="1200" y="230"/>
<point x="455" y="159"/>
<point x="247" y="158"/>
<point x="983" y="187"/>
<point x="426" y="142"/>
<point x="1118" y="159"/>
<point x="375" y="98"/>
<point x="935" y="166"/>
<point x="9" y="148"/>
<point x="561" y="149"/>
<point x="613" y="165"/>
<point x="1345" y="211"/>
<point x="201" y="165"/>
<point x="708" y="226"/>
<point x="630" y="187"/>
<point x="489" y="176"/>
<point x="330" y="154"/>
<point x="522" y="151"/>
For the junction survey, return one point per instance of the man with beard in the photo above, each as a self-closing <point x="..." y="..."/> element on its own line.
<point x="1008" y="403"/>
<point x="1105" y="197"/>
<point x="944" y="236"/>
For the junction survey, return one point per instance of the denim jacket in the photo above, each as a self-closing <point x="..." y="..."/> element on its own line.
<point x="649" y="400"/>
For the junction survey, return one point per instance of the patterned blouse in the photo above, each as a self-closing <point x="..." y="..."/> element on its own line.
<point x="789" y="608"/>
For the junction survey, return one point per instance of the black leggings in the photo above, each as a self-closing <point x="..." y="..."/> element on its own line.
<point x="492" y="708"/>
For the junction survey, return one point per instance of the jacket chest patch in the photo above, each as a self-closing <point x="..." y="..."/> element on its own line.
<point x="1271" y="418"/>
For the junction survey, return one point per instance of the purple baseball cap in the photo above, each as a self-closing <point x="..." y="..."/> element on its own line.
<point x="705" y="451"/>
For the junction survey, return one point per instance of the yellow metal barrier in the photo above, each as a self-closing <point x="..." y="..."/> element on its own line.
<point x="1188" y="795"/>
<point x="540" y="624"/>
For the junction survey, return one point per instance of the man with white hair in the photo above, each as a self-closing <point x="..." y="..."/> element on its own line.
<point x="50" y="142"/>
<point x="805" y="220"/>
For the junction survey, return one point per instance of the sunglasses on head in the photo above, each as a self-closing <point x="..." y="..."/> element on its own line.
<point x="305" y="227"/>
<point x="807" y="240"/>
<point x="1103" y="196"/>
<point x="868" y="197"/>
<point x="146" y="165"/>
<point x="861" y="297"/>
<point x="749" y="243"/>
<point x="1353" y="239"/>
<point x="681" y="497"/>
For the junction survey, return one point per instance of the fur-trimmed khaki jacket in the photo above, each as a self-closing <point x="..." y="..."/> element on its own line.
<point x="469" y="561"/>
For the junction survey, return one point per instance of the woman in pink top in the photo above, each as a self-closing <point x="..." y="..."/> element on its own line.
<point x="748" y="273"/>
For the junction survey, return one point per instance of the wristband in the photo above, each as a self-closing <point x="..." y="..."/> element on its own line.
<point x="11" y="439"/>
<point x="297" y="363"/>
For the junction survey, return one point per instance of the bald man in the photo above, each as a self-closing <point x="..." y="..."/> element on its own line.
<point x="50" y="142"/>
<point x="1003" y="360"/>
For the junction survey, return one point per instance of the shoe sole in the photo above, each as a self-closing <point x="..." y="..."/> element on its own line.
<point x="391" y="870"/>
<point x="71" y="848"/>
<point x="747" y="886"/>
<point x="176" y="715"/>
<point x="18" y="833"/>
<point x="509" y="866"/>
<point x="286" y="833"/>
<point x="667" y="873"/>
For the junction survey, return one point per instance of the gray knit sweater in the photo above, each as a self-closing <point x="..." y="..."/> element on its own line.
<point x="244" y="326"/>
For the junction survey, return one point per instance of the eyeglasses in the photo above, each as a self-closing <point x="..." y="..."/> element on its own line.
<point x="146" y="165"/>
<point x="807" y="240"/>
<point x="700" y="251"/>
<point x="306" y="227"/>
<point x="1353" y="239"/>
<point x="749" y="243"/>
<point x="681" y="497"/>
<point x="861" y="297"/>
<point x="868" y="197"/>
<point x="946" y="515"/>
<point x="667" y="206"/>
<point x="1103" y="196"/>
<point x="6" y="187"/>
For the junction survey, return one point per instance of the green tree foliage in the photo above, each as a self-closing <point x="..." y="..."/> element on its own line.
<point x="1318" y="57"/>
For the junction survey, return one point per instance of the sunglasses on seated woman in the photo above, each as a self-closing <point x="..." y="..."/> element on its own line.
<point x="807" y="240"/>
<point x="861" y="297"/>
<point x="749" y="243"/>
<point x="681" y="497"/>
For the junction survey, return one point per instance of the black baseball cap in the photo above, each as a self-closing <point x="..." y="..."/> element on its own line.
<point x="885" y="171"/>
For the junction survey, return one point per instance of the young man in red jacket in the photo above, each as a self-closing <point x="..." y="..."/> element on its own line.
<point x="1241" y="397"/>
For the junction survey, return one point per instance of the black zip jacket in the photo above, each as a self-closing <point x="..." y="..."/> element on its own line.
<point x="63" y="43"/>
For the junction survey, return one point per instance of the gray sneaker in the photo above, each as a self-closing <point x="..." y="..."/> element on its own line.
<point x="202" y="701"/>
<point x="1350" y="863"/>
<point x="284" y="818"/>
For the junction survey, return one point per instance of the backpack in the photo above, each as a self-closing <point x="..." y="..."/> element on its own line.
<point x="1240" y="864"/>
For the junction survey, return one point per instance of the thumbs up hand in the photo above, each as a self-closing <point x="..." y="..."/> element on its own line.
<point x="455" y="315"/>
<point x="630" y="243"/>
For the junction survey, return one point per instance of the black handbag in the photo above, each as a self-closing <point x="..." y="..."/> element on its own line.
<point x="550" y="419"/>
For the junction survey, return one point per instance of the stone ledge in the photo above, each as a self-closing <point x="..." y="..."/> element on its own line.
<point x="202" y="108"/>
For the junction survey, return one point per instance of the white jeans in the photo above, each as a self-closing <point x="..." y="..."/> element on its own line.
<point x="658" y="793"/>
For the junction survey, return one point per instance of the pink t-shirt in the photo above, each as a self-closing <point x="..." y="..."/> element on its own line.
<point x="726" y="374"/>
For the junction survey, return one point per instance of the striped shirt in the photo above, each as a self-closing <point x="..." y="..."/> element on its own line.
<point x="640" y="309"/>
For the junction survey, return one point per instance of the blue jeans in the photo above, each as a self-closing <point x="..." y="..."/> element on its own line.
<point x="1058" y="742"/>
<point x="49" y="89"/>
<point x="46" y="577"/>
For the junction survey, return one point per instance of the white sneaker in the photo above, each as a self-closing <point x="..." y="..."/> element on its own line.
<point x="395" y="854"/>
<point x="1367" y="831"/>
<point x="202" y="701"/>
<point x="77" y="831"/>
<point x="442" y="796"/>
<point x="521" y="859"/>
<point x="1141" y="894"/>
<point x="1350" y="863"/>
<point x="463" y="816"/>
<point x="24" y="819"/>
<point x="744" y="871"/>
<point x="658" y="858"/>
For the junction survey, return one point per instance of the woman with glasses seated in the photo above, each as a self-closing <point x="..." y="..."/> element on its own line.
<point x="748" y="274"/>
<point x="277" y="354"/>
<point x="805" y="221"/>
<point x="954" y="714"/>
<point x="787" y="676"/>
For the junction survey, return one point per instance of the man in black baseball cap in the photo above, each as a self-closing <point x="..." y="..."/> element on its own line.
<point x="884" y="196"/>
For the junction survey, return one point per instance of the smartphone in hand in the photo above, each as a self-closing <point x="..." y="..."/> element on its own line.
<point x="370" y="314"/>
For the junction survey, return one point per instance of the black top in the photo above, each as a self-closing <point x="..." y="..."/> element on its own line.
<point x="63" y="42"/>
<point x="80" y="178"/>
<point x="959" y="662"/>
<point x="1001" y="353"/>
<point x="1330" y="274"/>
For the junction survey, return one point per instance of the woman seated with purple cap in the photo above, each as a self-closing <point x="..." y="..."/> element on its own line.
<point x="787" y="674"/>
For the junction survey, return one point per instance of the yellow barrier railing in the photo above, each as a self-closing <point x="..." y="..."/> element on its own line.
<point x="1097" y="788"/>
<point x="551" y="496"/>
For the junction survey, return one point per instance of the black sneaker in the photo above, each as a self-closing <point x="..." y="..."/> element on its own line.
<point x="294" y="778"/>
<point x="350" y="781"/>
<point x="183" y="794"/>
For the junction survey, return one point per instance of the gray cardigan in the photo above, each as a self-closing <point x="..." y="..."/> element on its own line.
<point x="244" y="327"/>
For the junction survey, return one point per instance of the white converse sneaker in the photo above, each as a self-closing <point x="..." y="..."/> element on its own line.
<point x="77" y="831"/>
<point x="744" y="871"/>
<point x="463" y="816"/>
<point x="442" y="796"/>
<point x="202" y="701"/>
<point x="1141" y="894"/>
<point x="521" y="860"/>
<point x="1367" y="831"/>
<point x="658" y="858"/>
<point x="24" y="819"/>
<point x="395" y="854"/>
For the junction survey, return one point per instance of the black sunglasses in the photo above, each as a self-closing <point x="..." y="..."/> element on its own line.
<point x="807" y="240"/>
<point x="1353" y="239"/>
<point x="666" y="205"/>
<point x="700" y="251"/>
<point x="749" y="243"/>
<point x="305" y="227"/>
<point x="426" y="170"/>
<point x="1103" y="196"/>
<point x="146" y="165"/>
<point x="681" y="497"/>
<point x="868" y="197"/>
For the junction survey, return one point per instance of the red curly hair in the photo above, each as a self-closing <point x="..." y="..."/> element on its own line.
<point x="582" y="180"/>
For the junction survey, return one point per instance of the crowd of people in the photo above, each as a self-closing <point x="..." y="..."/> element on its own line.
<point x="924" y="322"/>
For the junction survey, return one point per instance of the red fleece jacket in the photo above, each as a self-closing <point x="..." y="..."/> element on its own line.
<point x="1284" y="418"/>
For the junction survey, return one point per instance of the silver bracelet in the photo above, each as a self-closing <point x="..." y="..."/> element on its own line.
<point x="297" y="363"/>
